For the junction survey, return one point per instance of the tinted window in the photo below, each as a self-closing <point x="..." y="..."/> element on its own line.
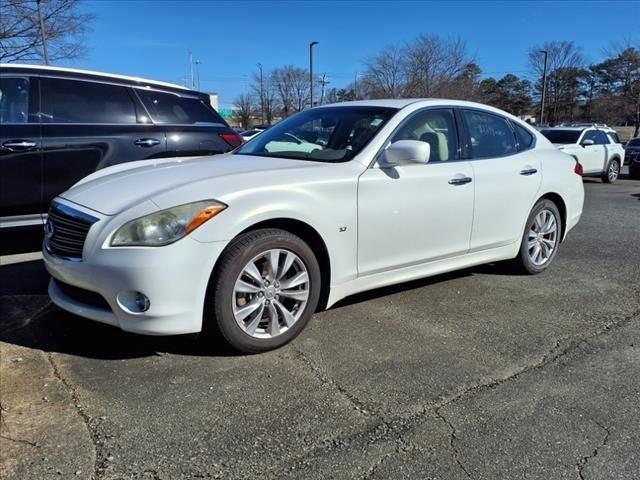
<point x="590" y="135"/>
<point x="560" y="136"/>
<point x="14" y="100"/>
<point x="601" y="138"/>
<point x="73" y="101"/>
<point x="169" y="108"/>
<point x="329" y="134"/>
<point x="613" y="136"/>
<point x="634" y="143"/>
<point x="524" y="137"/>
<point x="491" y="135"/>
<point x="435" y="127"/>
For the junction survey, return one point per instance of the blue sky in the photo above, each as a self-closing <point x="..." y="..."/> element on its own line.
<point x="153" y="38"/>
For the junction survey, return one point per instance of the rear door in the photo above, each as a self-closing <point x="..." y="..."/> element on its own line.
<point x="89" y="125"/>
<point x="20" y="152"/>
<point x="593" y="157"/>
<point x="191" y="125"/>
<point x="507" y="177"/>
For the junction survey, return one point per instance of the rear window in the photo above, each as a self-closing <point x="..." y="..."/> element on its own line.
<point x="14" y="100"/>
<point x="524" y="137"/>
<point x="74" y="101"/>
<point x="170" y="108"/>
<point x="561" y="136"/>
<point x="613" y="136"/>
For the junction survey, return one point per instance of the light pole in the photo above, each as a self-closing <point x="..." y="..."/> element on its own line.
<point x="544" y="85"/>
<point x="197" y="63"/>
<point x="44" y="35"/>
<point x="261" y="95"/>
<point x="311" y="72"/>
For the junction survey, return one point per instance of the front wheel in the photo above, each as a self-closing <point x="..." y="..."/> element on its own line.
<point x="613" y="172"/>
<point x="540" y="239"/>
<point x="266" y="289"/>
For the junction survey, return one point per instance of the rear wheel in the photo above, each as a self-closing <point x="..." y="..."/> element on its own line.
<point x="540" y="239"/>
<point x="613" y="171"/>
<point x="265" y="291"/>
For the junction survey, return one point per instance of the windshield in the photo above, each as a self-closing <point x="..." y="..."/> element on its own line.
<point x="561" y="136"/>
<point x="326" y="134"/>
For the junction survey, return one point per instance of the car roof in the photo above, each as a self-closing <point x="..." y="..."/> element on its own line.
<point x="404" y="102"/>
<point x="47" y="68"/>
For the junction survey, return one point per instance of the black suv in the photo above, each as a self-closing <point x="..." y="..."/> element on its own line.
<point x="59" y="125"/>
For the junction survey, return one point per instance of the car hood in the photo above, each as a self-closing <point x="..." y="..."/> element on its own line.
<point x="117" y="188"/>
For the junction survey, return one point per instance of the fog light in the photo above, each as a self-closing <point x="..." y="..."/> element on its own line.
<point x="134" y="302"/>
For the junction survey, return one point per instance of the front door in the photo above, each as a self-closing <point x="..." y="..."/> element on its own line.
<point x="594" y="156"/>
<point x="20" y="153"/>
<point x="419" y="213"/>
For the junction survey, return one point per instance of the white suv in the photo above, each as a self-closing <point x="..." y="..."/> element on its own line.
<point x="597" y="148"/>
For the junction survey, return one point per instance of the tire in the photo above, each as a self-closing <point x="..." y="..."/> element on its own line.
<point x="613" y="171"/>
<point x="634" y="174"/>
<point x="526" y="262"/>
<point x="236" y="290"/>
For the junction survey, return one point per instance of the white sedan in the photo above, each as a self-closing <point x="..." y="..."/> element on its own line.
<point x="251" y="243"/>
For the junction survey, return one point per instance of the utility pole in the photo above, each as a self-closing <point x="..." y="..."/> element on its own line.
<point x="197" y="63"/>
<point x="191" y="69"/>
<point x="544" y="86"/>
<point x="44" y="35"/>
<point x="261" y="95"/>
<point x="311" y="72"/>
<point x="323" y="82"/>
<point x="355" y="86"/>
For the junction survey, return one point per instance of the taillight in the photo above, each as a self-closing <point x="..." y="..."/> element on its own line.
<point x="232" y="139"/>
<point x="578" y="170"/>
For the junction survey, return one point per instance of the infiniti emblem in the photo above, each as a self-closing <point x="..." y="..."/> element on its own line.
<point x="49" y="229"/>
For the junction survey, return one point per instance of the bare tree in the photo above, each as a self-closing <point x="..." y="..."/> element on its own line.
<point x="292" y="86"/>
<point x="65" y="26"/>
<point x="385" y="73"/>
<point x="267" y="95"/>
<point x="564" y="64"/>
<point x="245" y="108"/>
<point x="434" y="64"/>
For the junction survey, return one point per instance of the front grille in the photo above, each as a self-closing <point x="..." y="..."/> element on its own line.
<point x="66" y="231"/>
<point x="83" y="296"/>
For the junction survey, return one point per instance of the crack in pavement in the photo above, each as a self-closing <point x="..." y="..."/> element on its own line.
<point x="554" y="354"/>
<point x="86" y="419"/>
<point x="583" y="462"/>
<point x="19" y="440"/>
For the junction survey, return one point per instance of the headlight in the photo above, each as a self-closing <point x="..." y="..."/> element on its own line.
<point x="166" y="226"/>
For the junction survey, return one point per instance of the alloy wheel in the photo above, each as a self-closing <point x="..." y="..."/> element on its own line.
<point x="614" y="171"/>
<point x="270" y="293"/>
<point x="543" y="237"/>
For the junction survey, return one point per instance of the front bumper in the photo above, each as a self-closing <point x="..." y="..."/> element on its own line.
<point x="174" y="278"/>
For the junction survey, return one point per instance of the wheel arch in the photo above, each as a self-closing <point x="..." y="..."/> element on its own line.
<point x="562" y="208"/>
<point x="311" y="236"/>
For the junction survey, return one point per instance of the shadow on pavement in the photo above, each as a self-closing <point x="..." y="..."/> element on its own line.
<point x="29" y="319"/>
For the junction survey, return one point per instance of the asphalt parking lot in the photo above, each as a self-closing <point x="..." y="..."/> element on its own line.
<point x="477" y="374"/>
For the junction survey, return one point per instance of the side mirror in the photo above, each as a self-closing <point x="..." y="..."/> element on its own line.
<point x="587" y="142"/>
<point x="405" y="152"/>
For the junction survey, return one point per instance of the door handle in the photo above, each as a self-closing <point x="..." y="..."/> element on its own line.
<point x="19" y="145"/>
<point x="528" y="171"/>
<point x="460" y="180"/>
<point x="147" y="142"/>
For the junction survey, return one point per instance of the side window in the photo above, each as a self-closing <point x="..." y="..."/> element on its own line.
<point x="14" y="100"/>
<point x="170" y="108"/>
<point x="601" y="138"/>
<point x="491" y="135"/>
<point x="590" y="135"/>
<point x="435" y="127"/>
<point x="75" y="101"/>
<point x="613" y="136"/>
<point x="523" y="136"/>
